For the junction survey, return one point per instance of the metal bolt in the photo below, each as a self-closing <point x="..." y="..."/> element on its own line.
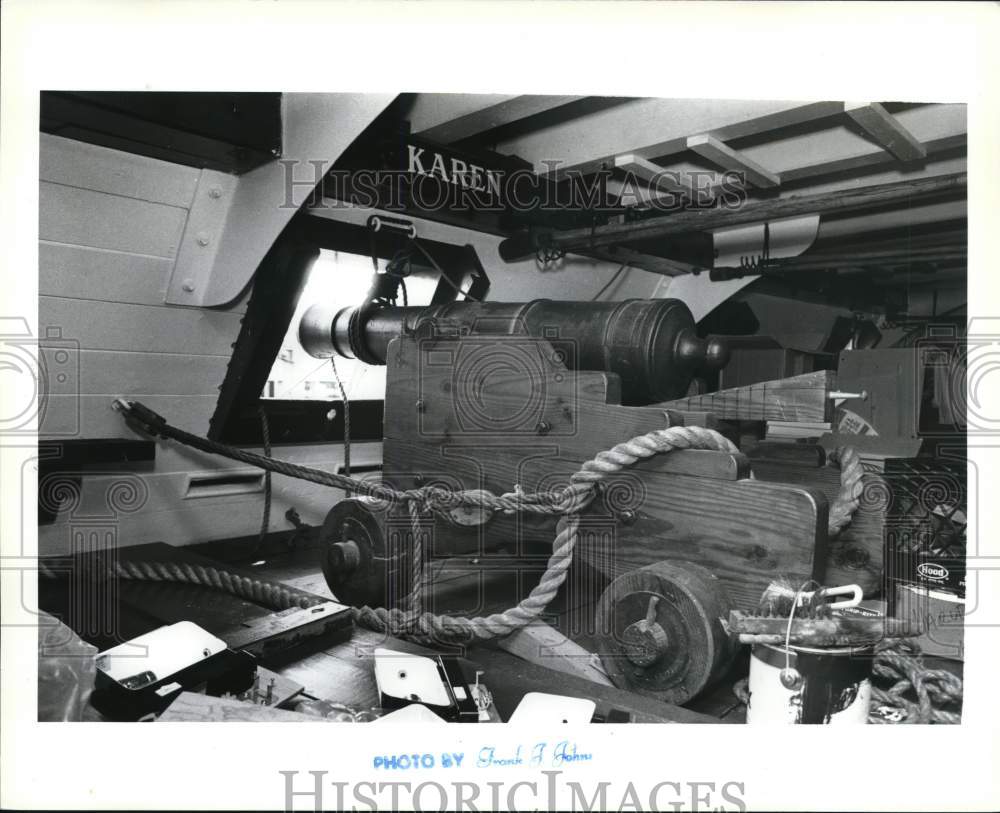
<point x="627" y="516"/>
<point x="188" y="285"/>
<point x="419" y="405"/>
<point x="542" y="427"/>
<point x="215" y="192"/>
<point x="203" y="239"/>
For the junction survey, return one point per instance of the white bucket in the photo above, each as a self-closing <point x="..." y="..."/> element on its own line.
<point x="832" y="685"/>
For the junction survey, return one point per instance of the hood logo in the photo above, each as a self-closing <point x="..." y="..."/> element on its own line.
<point x="929" y="570"/>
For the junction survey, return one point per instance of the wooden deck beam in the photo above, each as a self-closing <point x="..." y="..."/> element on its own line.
<point x="713" y="150"/>
<point x="886" y="130"/>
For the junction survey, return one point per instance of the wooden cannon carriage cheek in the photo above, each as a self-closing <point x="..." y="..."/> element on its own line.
<point x="681" y="538"/>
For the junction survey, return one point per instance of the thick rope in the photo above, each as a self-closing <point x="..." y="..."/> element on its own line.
<point x="273" y="595"/>
<point x="845" y="505"/>
<point x="916" y="694"/>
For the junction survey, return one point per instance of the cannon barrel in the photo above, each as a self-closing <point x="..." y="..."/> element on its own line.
<point x="651" y="344"/>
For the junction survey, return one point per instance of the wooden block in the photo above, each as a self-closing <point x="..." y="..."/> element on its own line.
<point x="713" y="150"/>
<point x="855" y="556"/>
<point x="659" y="178"/>
<point x="801" y="454"/>
<point x="799" y="398"/>
<point x="886" y="130"/>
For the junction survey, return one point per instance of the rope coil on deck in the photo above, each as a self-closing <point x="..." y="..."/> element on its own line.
<point x="567" y="503"/>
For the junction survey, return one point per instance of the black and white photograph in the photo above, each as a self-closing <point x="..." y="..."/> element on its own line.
<point x="526" y="436"/>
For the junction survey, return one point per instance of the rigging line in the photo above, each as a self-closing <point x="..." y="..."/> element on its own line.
<point x="347" y="418"/>
<point x="610" y="282"/>
<point x="285" y="392"/>
<point x="444" y="276"/>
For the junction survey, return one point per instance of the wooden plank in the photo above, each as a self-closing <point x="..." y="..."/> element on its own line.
<point x="87" y="166"/>
<point x="711" y="149"/>
<point x="91" y="416"/>
<point x="799" y="398"/>
<point x="541" y="644"/>
<point x="191" y="707"/>
<point x="886" y="130"/>
<point x="345" y="674"/>
<point x="659" y="178"/>
<point x="97" y="219"/>
<point x="509" y="679"/>
<point x="123" y="326"/>
<point x="175" y="457"/>
<point x="81" y="272"/>
<point x="745" y="532"/>
<point x="158" y="493"/>
<point x="694" y="220"/>
<point x="193" y="522"/>
<point x="121" y="372"/>
<point x="488" y="118"/>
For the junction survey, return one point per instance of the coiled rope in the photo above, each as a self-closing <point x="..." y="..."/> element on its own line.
<point x="917" y="694"/>
<point x="567" y="503"/>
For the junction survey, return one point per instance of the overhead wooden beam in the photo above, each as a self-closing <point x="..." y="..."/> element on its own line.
<point x="588" y="144"/>
<point x="713" y="150"/>
<point x="658" y="178"/>
<point x="497" y="115"/>
<point x="694" y="220"/>
<point x="886" y="130"/>
<point x="427" y="110"/>
<point x="866" y="162"/>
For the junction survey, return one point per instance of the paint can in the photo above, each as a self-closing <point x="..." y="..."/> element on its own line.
<point x="802" y="685"/>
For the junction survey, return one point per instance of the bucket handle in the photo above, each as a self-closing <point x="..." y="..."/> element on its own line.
<point x="853" y="590"/>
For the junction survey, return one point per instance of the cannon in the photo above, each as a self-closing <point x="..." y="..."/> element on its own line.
<point x="497" y="396"/>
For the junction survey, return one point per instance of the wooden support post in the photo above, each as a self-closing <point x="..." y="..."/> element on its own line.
<point x="886" y="130"/>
